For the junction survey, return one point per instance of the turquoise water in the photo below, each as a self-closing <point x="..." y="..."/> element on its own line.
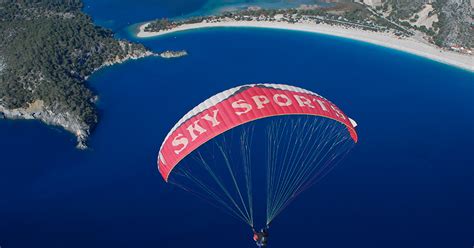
<point x="215" y="6"/>
<point x="408" y="182"/>
<point x="117" y="15"/>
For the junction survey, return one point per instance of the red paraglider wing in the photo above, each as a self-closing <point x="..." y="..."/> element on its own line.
<point x="237" y="106"/>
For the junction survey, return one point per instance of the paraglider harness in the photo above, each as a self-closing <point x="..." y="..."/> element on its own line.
<point x="261" y="238"/>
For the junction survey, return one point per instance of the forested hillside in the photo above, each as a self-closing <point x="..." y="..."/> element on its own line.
<point x="448" y="22"/>
<point x="47" y="49"/>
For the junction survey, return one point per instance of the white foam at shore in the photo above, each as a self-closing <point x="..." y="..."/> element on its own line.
<point x="409" y="45"/>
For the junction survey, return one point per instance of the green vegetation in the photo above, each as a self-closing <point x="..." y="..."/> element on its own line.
<point x="454" y="26"/>
<point x="455" y="23"/>
<point x="166" y="24"/>
<point x="160" y="24"/>
<point x="404" y="9"/>
<point x="48" y="48"/>
<point x="346" y="14"/>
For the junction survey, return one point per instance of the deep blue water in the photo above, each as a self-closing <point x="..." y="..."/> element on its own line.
<point x="408" y="182"/>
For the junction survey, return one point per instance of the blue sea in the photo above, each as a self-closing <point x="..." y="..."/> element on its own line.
<point x="409" y="182"/>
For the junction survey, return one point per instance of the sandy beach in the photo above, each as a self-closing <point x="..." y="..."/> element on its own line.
<point x="409" y="45"/>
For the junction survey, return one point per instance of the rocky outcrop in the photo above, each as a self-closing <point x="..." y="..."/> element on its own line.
<point x="37" y="111"/>
<point x="132" y="54"/>
<point x="173" y="54"/>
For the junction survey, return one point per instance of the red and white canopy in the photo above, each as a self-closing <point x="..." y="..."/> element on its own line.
<point x="237" y="106"/>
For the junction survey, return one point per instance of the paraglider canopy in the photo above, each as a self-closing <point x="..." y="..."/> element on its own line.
<point x="237" y="106"/>
<point x="256" y="147"/>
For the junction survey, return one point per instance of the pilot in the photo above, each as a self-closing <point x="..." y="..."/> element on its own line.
<point x="261" y="238"/>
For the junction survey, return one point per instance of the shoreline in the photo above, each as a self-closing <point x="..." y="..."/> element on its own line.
<point x="409" y="45"/>
<point x="37" y="110"/>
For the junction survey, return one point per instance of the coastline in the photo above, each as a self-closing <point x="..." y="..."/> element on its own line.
<point x="409" y="45"/>
<point x="37" y="110"/>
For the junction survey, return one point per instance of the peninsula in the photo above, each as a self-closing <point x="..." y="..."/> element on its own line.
<point x="48" y="49"/>
<point x="349" y="19"/>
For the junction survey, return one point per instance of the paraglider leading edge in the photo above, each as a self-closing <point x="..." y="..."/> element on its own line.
<point x="237" y="106"/>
